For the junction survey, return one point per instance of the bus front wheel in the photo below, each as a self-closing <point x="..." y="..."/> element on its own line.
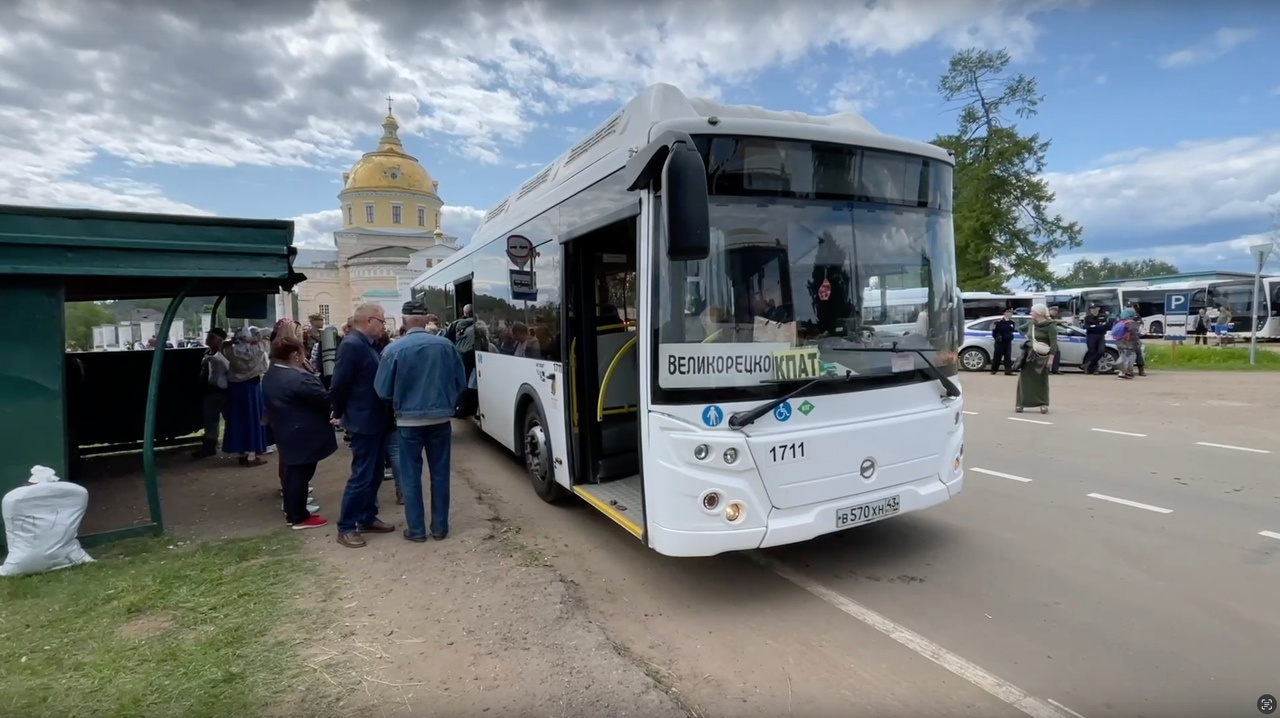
<point x="538" y="460"/>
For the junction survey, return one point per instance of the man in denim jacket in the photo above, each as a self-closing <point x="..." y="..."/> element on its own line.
<point x="422" y="375"/>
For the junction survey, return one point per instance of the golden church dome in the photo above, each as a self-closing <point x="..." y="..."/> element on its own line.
<point x="389" y="167"/>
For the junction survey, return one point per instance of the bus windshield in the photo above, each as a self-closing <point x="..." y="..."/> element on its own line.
<point x="801" y="284"/>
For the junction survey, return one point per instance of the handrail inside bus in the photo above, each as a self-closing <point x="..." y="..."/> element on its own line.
<point x="608" y="375"/>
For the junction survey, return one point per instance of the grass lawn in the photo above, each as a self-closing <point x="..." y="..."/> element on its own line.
<point x="1160" y="355"/>
<point x="157" y="630"/>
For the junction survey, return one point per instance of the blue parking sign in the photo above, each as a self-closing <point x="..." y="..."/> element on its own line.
<point x="1177" y="307"/>
<point x="1177" y="303"/>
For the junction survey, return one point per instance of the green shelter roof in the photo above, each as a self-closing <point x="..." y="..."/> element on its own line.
<point x="130" y="255"/>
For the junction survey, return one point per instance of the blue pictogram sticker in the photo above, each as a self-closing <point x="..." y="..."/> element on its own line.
<point x="782" y="412"/>
<point x="712" y="416"/>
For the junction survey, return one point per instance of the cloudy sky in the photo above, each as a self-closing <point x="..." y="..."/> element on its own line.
<point x="1164" y="121"/>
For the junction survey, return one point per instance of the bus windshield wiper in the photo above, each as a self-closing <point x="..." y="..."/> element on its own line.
<point x="952" y="390"/>
<point x="741" y="419"/>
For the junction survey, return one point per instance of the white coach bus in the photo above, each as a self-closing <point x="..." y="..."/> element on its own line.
<point x="673" y="330"/>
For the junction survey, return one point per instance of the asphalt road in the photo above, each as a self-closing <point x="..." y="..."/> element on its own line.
<point x="1116" y="557"/>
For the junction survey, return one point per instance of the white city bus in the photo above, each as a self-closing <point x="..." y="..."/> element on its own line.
<point x="673" y="329"/>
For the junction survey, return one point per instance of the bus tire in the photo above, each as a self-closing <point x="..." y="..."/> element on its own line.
<point x="538" y="460"/>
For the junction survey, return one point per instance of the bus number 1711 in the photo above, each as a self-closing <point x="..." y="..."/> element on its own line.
<point x="783" y="453"/>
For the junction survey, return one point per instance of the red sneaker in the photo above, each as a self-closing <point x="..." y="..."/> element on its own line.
<point x="314" y="522"/>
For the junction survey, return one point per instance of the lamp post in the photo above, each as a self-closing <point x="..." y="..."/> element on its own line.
<point x="1260" y="254"/>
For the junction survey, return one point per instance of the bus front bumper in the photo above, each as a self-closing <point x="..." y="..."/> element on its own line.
<point x="788" y="526"/>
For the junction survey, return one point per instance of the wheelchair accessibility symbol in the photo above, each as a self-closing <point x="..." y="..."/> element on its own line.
<point x="782" y="412"/>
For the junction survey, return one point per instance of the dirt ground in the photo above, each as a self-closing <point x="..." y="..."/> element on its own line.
<point x="476" y="624"/>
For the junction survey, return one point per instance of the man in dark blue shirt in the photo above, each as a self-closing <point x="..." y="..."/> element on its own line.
<point x="1002" y="332"/>
<point x="1095" y="331"/>
<point x="367" y="419"/>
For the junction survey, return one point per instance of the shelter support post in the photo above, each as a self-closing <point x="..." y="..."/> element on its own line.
<point x="153" y="401"/>
<point x="217" y="304"/>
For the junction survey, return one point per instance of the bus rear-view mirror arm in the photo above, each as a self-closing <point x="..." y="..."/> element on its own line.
<point x="671" y="163"/>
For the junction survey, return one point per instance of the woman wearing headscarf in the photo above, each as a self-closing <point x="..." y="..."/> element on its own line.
<point x="1037" y="356"/>
<point x="245" y="434"/>
<point x="1128" y="337"/>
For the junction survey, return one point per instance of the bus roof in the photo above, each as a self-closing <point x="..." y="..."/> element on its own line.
<point x="657" y="108"/>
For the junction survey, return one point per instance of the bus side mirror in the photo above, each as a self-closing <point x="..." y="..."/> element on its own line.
<point x="686" y="214"/>
<point x="686" y="209"/>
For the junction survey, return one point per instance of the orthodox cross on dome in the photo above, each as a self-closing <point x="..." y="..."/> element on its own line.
<point x="389" y="101"/>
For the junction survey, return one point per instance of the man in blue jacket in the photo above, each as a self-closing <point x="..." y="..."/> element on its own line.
<point x="365" y="417"/>
<point x="422" y="375"/>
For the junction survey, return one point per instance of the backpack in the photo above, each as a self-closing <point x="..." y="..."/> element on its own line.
<point x="1120" y="330"/>
<point x="464" y="340"/>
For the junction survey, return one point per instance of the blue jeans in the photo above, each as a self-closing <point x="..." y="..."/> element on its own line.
<point x="393" y="455"/>
<point x="360" y="500"/>
<point x="436" y="441"/>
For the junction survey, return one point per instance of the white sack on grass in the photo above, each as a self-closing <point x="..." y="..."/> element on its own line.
<point x="41" y="522"/>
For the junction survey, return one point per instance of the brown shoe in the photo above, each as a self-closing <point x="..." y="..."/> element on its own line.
<point x="378" y="527"/>
<point x="352" y="540"/>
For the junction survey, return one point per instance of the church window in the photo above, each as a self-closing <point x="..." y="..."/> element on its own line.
<point x="396" y="211"/>
<point x="350" y="215"/>
<point x="368" y="212"/>
<point x="422" y="216"/>
<point x="437" y="220"/>
<point x="324" y="313"/>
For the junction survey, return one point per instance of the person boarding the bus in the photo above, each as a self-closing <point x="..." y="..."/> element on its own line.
<point x="366" y="419"/>
<point x="1095" y="334"/>
<point x="1002" y="333"/>
<point x="1037" y="355"/>
<point x="422" y="376"/>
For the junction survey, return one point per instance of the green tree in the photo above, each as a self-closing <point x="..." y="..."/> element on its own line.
<point x="81" y="318"/>
<point x="1002" y="220"/>
<point x="1087" y="273"/>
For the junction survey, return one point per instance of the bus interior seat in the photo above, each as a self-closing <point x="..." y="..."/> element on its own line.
<point x="620" y="428"/>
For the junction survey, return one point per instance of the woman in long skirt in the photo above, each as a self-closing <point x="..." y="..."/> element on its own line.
<point x="1037" y="359"/>
<point x="245" y="435"/>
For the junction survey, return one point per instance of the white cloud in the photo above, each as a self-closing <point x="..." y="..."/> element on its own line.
<point x="315" y="230"/>
<point x="1233" y="253"/>
<point x="1216" y="45"/>
<point x="1192" y="184"/>
<point x="294" y="83"/>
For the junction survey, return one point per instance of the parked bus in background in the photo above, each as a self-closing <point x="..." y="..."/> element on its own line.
<point x="1269" y="330"/>
<point x="754" y="398"/>
<point x="986" y="304"/>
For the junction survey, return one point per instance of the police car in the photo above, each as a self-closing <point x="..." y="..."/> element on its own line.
<point x="979" y="346"/>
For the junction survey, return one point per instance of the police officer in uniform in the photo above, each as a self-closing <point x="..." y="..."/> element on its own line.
<point x="1095" y="330"/>
<point x="1002" y="332"/>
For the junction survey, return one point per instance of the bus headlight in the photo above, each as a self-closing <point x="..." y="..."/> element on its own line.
<point x="701" y="452"/>
<point x="735" y="512"/>
<point x="730" y="455"/>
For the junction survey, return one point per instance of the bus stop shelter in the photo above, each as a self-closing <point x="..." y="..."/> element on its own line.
<point x="51" y="256"/>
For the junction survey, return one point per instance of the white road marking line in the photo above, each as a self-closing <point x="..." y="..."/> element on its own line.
<point x="972" y="673"/>
<point x="1233" y="448"/>
<point x="1270" y="534"/>
<point x="1127" y="502"/>
<point x="1029" y="421"/>
<point x="971" y="413"/>
<point x="1077" y="715"/>
<point x="997" y="474"/>
<point x="1121" y="433"/>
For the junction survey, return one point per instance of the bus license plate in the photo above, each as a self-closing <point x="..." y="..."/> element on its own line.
<point x="866" y="513"/>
